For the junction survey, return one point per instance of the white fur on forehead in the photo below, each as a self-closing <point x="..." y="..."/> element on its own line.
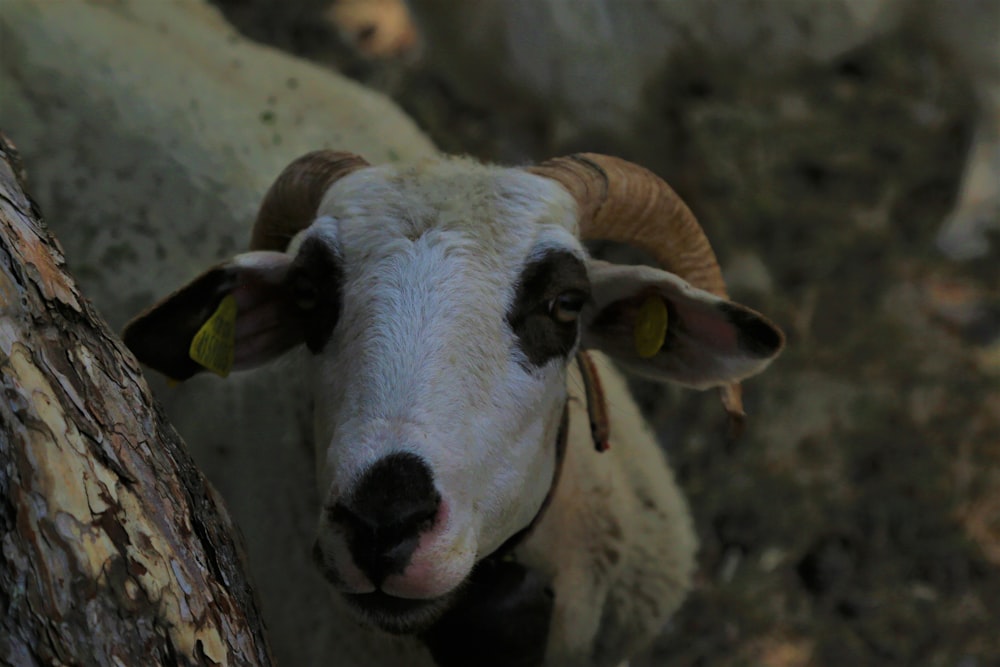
<point x="503" y="209"/>
<point x="448" y="238"/>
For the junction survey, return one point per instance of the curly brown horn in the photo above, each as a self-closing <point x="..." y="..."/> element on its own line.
<point x="621" y="201"/>
<point x="293" y="199"/>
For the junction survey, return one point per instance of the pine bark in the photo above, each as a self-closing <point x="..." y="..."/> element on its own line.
<point x="114" y="549"/>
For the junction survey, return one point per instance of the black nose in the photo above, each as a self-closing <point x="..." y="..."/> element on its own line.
<point x="394" y="502"/>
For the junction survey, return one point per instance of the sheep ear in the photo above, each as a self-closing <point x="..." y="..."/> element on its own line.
<point x="242" y="312"/>
<point x="658" y="326"/>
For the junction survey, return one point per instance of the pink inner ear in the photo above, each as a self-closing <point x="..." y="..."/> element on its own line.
<point x="709" y="342"/>
<point x="260" y="335"/>
<point x="254" y="313"/>
<point x="266" y="324"/>
<point x="706" y="324"/>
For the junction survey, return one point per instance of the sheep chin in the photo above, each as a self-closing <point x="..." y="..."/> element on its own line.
<point x="398" y="616"/>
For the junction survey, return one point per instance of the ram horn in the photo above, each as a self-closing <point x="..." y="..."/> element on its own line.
<point x="291" y="202"/>
<point x="621" y="201"/>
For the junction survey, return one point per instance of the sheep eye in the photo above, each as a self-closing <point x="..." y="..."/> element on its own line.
<point x="566" y="307"/>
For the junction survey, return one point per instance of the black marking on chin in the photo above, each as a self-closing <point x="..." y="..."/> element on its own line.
<point x="501" y="619"/>
<point x="757" y="337"/>
<point x="539" y="336"/>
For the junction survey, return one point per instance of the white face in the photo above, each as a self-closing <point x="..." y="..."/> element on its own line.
<point x="440" y="305"/>
<point x="444" y="350"/>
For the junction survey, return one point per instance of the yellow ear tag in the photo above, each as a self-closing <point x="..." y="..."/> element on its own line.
<point x="650" y="326"/>
<point x="215" y="343"/>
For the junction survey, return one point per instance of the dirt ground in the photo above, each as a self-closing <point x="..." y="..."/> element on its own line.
<point x="858" y="520"/>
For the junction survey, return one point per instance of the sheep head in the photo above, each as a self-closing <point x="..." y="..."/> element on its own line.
<point x="439" y="305"/>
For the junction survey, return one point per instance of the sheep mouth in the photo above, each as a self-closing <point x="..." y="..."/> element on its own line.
<point x="397" y="615"/>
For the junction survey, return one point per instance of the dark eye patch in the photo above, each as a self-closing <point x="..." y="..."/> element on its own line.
<point x="314" y="282"/>
<point x="539" y="336"/>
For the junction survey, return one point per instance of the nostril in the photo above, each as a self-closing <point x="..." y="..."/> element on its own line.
<point x="420" y="515"/>
<point x="392" y="504"/>
<point x="397" y="491"/>
<point x="399" y="518"/>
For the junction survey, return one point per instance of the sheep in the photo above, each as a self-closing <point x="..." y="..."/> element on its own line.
<point x="490" y="490"/>
<point x="587" y="66"/>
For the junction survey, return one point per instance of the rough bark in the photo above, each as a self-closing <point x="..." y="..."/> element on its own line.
<point x="151" y="130"/>
<point x="114" y="550"/>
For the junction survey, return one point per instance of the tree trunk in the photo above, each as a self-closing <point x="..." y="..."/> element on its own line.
<point x="114" y="550"/>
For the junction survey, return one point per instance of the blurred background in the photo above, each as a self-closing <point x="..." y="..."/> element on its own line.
<point x="858" y="520"/>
